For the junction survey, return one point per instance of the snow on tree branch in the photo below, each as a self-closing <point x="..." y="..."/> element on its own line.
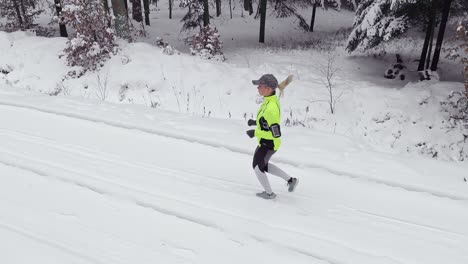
<point x="376" y="21"/>
<point x="94" y="40"/>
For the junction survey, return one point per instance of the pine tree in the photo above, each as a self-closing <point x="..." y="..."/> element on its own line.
<point x="287" y="8"/>
<point x="376" y="21"/>
<point x="206" y="44"/>
<point x="194" y="16"/>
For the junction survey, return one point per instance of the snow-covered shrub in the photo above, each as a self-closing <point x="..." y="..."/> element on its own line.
<point x="167" y="49"/>
<point x="19" y="15"/>
<point x="396" y="70"/>
<point x="161" y="43"/>
<point x="94" y="39"/>
<point x="206" y="44"/>
<point x="457" y="106"/>
<point x="6" y="69"/>
<point x="457" y="103"/>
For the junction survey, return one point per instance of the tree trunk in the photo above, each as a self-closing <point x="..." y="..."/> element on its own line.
<point x="263" y="7"/>
<point x="218" y="8"/>
<point x="136" y="10"/>
<point x="106" y="8"/>
<point x="312" y="21"/>
<point x="440" y="36"/>
<point x="429" y="52"/>
<point x="147" y="11"/>
<point x="58" y="9"/>
<point x="466" y="81"/>
<point x="121" y="23"/>
<point x="430" y="25"/>
<point x="206" y="13"/>
<point x="26" y="21"/>
<point x="18" y="13"/>
<point x="170" y="8"/>
<point x="248" y="6"/>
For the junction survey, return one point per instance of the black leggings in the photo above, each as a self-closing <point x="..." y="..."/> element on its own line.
<point x="262" y="157"/>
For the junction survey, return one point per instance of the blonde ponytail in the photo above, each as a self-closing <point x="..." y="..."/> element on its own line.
<point x="284" y="83"/>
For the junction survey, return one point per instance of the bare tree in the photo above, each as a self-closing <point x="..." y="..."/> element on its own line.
<point x="328" y="80"/>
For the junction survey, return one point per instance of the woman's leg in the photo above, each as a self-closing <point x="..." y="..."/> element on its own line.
<point x="259" y="165"/>
<point x="274" y="170"/>
<point x="263" y="179"/>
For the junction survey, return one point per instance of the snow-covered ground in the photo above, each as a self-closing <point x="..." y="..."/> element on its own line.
<point x="147" y="159"/>
<point x="89" y="182"/>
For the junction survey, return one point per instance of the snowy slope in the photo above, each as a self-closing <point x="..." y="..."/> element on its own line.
<point x="91" y="182"/>
<point x="382" y="114"/>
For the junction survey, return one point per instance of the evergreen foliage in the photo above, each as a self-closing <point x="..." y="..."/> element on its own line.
<point x="194" y="16"/>
<point x="377" y="21"/>
<point x="206" y="44"/>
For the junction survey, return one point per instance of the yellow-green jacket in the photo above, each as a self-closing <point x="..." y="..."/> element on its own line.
<point x="268" y="123"/>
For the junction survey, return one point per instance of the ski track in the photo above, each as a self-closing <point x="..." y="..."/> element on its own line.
<point x="404" y="222"/>
<point x="132" y="197"/>
<point x="51" y="244"/>
<point x="180" y="136"/>
<point x="134" y="193"/>
<point x="197" y="221"/>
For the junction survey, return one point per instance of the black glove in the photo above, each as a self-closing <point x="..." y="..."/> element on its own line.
<point x="251" y="122"/>
<point x="250" y="133"/>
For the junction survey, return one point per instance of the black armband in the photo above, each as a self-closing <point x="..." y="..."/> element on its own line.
<point x="275" y="130"/>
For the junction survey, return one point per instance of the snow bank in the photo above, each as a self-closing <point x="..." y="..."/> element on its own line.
<point x="377" y="113"/>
